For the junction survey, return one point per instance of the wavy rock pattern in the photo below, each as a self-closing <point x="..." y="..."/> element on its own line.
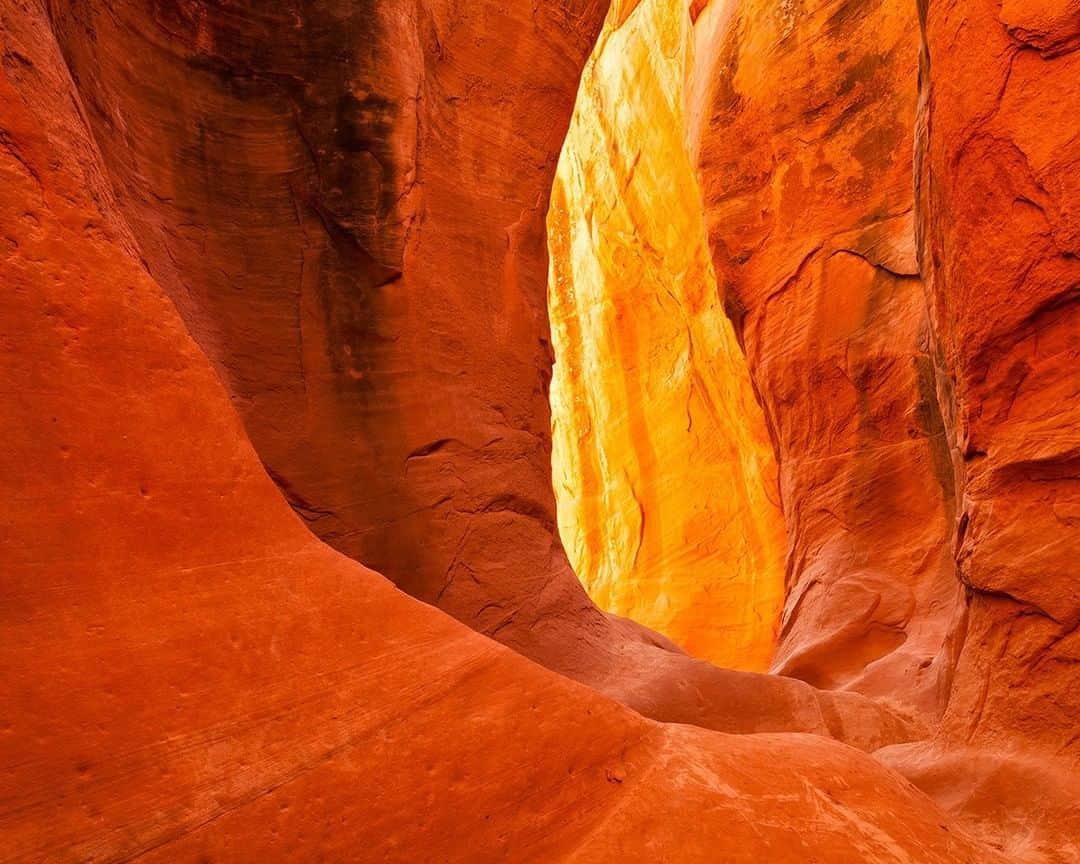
<point x="807" y="180"/>
<point x="388" y="350"/>
<point x="662" y="463"/>
<point x="212" y="683"/>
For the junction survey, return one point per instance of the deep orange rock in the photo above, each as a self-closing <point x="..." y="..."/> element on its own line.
<point x="1001" y="244"/>
<point x="358" y="245"/>
<point x="920" y="451"/>
<point x="192" y="676"/>
<point x="806" y="172"/>
<point x="346" y="202"/>
<point x="999" y="154"/>
<point x="335" y="210"/>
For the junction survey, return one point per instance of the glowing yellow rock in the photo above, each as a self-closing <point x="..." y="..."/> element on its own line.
<point x="663" y="470"/>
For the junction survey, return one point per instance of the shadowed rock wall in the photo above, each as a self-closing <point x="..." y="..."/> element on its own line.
<point x="347" y="204"/>
<point x="999" y="182"/>
<point x="346" y="201"/>
<point x="191" y="676"/>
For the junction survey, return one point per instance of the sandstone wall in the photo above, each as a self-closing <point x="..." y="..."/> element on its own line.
<point x="191" y="676"/>
<point x="921" y="404"/>
<point x="998" y="154"/>
<point x="335" y="211"/>
<point x="662" y="465"/>
<point x="806" y="169"/>
<point x="1001" y="246"/>
<point x="346" y="203"/>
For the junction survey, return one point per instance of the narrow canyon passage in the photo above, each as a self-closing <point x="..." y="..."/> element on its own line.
<point x="369" y="278"/>
<point x="553" y="432"/>
<point x="661" y="462"/>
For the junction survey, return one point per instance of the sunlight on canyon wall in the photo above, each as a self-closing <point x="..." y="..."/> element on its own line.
<point x="663" y="470"/>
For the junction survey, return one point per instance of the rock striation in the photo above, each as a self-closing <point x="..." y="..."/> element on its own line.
<point x="358" y="245"/>
<point x="806" y="171"/>
<point x="998" y="158"/>
<point x="662" y="464"/>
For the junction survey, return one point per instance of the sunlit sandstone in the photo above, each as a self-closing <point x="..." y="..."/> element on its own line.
<point x="805" y="167"/>
<point x="191" y="676"/>
<point x="663" y="471"/>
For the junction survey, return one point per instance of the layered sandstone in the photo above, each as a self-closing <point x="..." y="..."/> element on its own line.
<point x="351" y="222"/>
<point x="999" y="181"/>
<point x="923" y="427"/>
<point x="319" y="226"/>
<point x="806" y="169"/>
<point x="921" y="405"/>
<point x="662" y="464"/>
<point x="193" y="676"/>
<point x="345" y="200"/>
<point x="1001" y="246"/>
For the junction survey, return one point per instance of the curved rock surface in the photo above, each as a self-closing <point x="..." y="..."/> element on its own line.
<point x="922" y="430"/>
<point x="358" y="245"/>
<point x="193" y="676"/>
<point x="921" y="404"/>
<point x="662" y="465"/>
<point x="345" y="200"/>
<point x="806" y="170"/>
<point x="999" y="185"/>
<point x="319" y="226"/>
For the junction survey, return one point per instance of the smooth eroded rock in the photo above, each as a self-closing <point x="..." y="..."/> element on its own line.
<point x="662" y="465"/>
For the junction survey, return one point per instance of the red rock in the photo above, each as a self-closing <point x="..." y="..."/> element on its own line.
<point x="335" y="211"/>
<point x="1001" y="237"/>
<point x="351" y="221"/>
<point x="919" y="451"/>
<point x="806" y="173"/>
<point x="193" y="676"/>
<point x="359" y="248"/>
<point x="999" y="153"/>
<point x="346" y="240"/>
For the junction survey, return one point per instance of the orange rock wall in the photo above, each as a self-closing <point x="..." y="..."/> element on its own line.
<point x="191" y="676"/>
<point x="999" y="160"/>
<point x="662" y="465"/>
<point x="921" y="404"/>
<point x="1000" y="186"/>
<point x="916" y="376"/>
<point x="350" y="221"/>
<point x="806" y="171"/>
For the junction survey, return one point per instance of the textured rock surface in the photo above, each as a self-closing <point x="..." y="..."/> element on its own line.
<point x="191" y="676"/>
<point x="1001" y="232"/>
<point x="806" y="170"/>
<point x="925" y="432"/>
<point x="662" y="464"/>
<point x="1000" y="244"/>
<point x="350" y="220"/>
<point x="920" y="452"/>
<point x="344" y="201"/>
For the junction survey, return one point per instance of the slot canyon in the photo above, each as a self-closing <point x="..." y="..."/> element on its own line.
<point x="553" y="431"/>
